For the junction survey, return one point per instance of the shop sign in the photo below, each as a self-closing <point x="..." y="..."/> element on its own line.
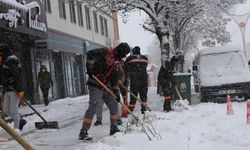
<point x="11" y="16"/>
<point x="34" y="23"/>
<point x="41" y="44"/>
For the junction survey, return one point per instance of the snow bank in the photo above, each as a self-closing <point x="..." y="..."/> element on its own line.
<point x="205" y="126"/>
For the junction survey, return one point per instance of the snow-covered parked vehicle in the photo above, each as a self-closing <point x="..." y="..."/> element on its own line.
<point x="221" y="71"/>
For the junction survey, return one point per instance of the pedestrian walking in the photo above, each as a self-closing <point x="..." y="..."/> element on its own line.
<point x="13" y="89"/>
<point x="104" y="64"/>
<point x="136" y="68"/>
<point x="167" y="83"/>
<point x="45" y="81"/>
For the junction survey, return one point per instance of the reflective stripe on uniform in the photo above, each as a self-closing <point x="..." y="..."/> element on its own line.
<point x="144" y="103"/>
<point x="114" y="117"/>
<point x="131" y="106"/>
<point x="138" y="60"/>
<point x="167" y="97"/>
<point x="87" y="120"/>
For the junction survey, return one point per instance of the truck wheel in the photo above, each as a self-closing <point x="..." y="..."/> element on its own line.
<point x="246" y="97"/>
<point x="204" y="97"/>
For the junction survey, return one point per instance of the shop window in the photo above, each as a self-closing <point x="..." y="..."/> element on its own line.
<point x="42" y="55"/>
<point x="69" y="75"/>
<point x="49" y="67"/>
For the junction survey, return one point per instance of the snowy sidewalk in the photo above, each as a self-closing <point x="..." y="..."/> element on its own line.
<point x="205" y="126"/>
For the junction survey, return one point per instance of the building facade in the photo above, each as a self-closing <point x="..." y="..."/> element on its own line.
<point x="61" y="34"/>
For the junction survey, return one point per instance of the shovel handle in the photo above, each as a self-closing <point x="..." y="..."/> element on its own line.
<point x="178" y="93"/>
<point x="111" y="92"/>
<point x="35" y="110"/>
<point x="16" y="136"/>
<point x="132" y="94"/>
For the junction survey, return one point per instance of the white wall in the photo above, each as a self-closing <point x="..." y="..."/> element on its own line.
<point x="248" y="50"/>
<point x="64" y="25"/>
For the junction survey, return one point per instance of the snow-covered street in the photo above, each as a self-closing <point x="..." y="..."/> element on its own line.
<point x="64" y="56"/>
<point x="205" y="126"/>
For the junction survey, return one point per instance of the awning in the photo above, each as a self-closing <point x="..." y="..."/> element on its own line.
<point x="12" y="4"/>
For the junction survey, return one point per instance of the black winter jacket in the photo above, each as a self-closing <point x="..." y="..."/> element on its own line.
<point x="136" y="68"/>
<point x="166" y="75"/>
<point x="103" y="64"/>
<point x="44" y="79"/>
<point x="12" y="74"/>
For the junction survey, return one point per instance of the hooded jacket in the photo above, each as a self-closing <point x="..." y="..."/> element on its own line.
<point x="12" y="74"/>
<point x="44" y="78"/>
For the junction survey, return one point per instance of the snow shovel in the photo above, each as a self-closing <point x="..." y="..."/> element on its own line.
<point x="45" y="124"/>
<point x="132" y="94"/>
<point x="184" y="103"/>
<point x="111" y="92"/>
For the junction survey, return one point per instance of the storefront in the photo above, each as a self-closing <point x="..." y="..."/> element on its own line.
<point x="65" y="59"/>
<point x="36" y="44"/>
<point x="19" y="29"/>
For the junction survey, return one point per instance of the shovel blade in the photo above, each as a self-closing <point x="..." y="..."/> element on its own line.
<point x="47" y="125"/>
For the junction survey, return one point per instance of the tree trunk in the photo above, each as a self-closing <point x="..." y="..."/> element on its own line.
<point x="177" y="48"/>
<point x="164" y="45"/>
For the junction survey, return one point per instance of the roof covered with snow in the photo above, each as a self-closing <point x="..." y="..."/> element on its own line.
<point x="223" y="65"/>
<point x="220" y="49"/>
<point x="14" y="4"/>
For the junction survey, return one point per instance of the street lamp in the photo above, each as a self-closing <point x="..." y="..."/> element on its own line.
<point x="241" y="21"/>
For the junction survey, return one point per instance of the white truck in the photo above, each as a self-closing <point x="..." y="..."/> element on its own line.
<point x="221" y="71"/>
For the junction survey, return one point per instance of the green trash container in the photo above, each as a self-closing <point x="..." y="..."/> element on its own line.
<point x="183" y="82"/>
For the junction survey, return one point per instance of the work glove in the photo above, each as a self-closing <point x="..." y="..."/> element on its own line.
<point x="116" y="91"/>
<point x="21" y="95"/>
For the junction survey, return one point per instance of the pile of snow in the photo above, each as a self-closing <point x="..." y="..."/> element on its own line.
<point x="14" y="3"/>
<point x="205" y="126"/>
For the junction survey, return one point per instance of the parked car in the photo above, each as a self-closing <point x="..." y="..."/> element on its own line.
<point x="221" y="71"/>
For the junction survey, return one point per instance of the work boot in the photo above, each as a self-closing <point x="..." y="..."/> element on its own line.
<point x="119" y="122"/>
<point x="143" y="109"/>
<point x="113" y="130"/>
<point x="22" y="124"/>
<point x="167" y="106"/>
<point x="46" y="104"/>
<point x="83" y="135"/>
<point x="18" y="132"/>
<point x="97" y="123"/>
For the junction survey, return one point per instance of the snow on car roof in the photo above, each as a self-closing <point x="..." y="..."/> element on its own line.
<point x="220" y="49"/>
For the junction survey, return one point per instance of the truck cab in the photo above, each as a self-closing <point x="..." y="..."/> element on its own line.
<point x="221" y="71"/>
